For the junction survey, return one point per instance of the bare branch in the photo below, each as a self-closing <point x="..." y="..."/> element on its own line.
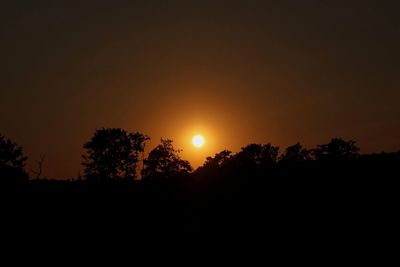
<point x="39" y="163"/>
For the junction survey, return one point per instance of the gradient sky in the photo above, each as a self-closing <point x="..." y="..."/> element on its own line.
<point x="237" y="71"/>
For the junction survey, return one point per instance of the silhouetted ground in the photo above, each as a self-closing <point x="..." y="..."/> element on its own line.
<point x="350" y="204"/>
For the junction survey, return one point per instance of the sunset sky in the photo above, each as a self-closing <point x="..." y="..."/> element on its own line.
<point x="236" y="72"/>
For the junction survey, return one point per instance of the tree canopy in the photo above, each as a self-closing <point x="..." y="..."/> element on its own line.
<point x="113" y="153"/>
<point x="295" y="153"/>
<point x="258" y="155"/>
<point x="12" y="160"/>
<point x="164" y="160"/>
<point x="337" y="149"/>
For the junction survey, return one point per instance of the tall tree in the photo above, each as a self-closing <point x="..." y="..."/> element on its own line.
<point x="164" y="161"/>
<point x="12" y="161"/>
<point x="113" y="153"/>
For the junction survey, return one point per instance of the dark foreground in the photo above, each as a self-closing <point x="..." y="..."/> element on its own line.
<point x="333" y="204"/>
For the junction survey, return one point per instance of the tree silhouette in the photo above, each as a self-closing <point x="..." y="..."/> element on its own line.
<point x="295" y="153"/>
<point x="218" y="160"/>
<point x="12" y="161"/>
<point x="113" y="153"/>
<point x="164" y="161"/>
<point x="257" y="155"/>
<point x="337" y="149"/>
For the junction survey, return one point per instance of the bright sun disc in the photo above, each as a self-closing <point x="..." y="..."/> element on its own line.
<point x="198" y="140"/>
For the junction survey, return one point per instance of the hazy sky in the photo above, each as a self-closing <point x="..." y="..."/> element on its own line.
<point x="237" y="71"/>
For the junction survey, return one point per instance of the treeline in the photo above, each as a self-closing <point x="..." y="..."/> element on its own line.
<point x="113" y="154"/>
<point x="331" y="190"/>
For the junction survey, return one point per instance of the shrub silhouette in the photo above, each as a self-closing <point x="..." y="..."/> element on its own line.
<point x="113" y="154"/>
<point x="12" y="162"/>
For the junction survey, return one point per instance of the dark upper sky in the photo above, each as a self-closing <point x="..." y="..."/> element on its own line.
<point x="237" y="71"/>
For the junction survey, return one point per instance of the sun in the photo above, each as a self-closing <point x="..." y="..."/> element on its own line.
<point x="198" y="140"/>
